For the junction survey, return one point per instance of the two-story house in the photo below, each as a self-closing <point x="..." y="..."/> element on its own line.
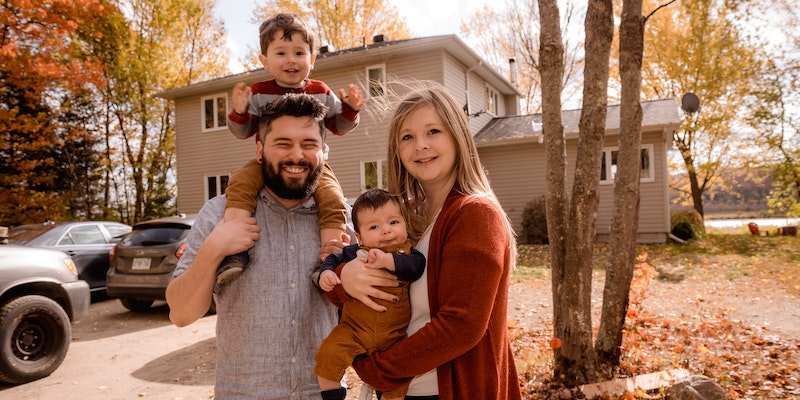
<point x="509" y="144"/>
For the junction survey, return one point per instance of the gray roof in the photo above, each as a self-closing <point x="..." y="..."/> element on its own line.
<point x="657" y="114"/>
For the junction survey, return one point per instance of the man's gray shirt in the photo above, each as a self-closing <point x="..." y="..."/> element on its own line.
<point x="271" y="320"/>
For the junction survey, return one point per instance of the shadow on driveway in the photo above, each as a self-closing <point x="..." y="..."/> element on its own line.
<point x="192" y="365"/>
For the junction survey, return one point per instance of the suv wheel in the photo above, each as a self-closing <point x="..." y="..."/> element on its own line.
<point x="34" y="338"/>
<point x="136" y="305"/>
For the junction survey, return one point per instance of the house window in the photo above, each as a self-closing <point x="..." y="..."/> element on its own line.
<point x="214" y="111"/>
<point x="373" y="175"/>
<point x="376" y="79"/>
<point x="216" y="185"/>
<point x="492" y="98"/>
<point x="608" y="165"/>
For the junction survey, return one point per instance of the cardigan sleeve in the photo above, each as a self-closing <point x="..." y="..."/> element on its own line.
<point x="472" y="243"/>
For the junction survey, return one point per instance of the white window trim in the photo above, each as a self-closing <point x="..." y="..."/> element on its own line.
<point x="607" y="155"/>
<point x="203" y="110"/>
<point x="492" y="91"/>
<point x="219" y="185"/>
<point x="381" y="67"/>
<point x="362" y="177"/>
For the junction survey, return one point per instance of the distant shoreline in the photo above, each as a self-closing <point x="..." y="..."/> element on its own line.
<point x="737" y="222"/>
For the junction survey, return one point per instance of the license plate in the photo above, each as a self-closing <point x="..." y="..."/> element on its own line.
<point x="141" y="263"/>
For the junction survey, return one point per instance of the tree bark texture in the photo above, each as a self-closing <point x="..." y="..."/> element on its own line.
<point x="577" y="364"/>
<point x="551" y="61"/>
<point x="625" y="223"/>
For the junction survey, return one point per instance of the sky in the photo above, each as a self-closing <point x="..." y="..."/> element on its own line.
<point x="423" y="17"/>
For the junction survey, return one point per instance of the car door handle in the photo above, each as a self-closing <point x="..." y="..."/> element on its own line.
<point x="70" y="253"/>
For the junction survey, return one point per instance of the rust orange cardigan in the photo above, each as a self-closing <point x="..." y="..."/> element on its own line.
<point x="467" y="339"/>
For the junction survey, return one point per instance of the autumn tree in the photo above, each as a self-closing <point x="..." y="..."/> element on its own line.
<point x="42" y="62"/>
<point x="774" y="109"/>
<point x="170" y="43"/>
<point x="343" y="24"/>
<point x="509" y="33"/>
<point x="708" y="54"/>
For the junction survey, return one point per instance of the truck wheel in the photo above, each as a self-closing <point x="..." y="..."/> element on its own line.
<point x="136" y="305"/>
<point x="34" y="338"/>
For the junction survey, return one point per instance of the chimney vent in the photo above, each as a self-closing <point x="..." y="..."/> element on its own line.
<point x="512" y="67"/>
<point x="380" y="38"/>
<point x="326" y="49"/>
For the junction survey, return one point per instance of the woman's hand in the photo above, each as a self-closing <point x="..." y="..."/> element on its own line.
<point x="362" y="283"/>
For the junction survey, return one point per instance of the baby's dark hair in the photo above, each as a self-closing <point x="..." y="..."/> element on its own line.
<point x="372" y="199"/>
<point x="288" y="24"/>
<point x="293" y="105"/>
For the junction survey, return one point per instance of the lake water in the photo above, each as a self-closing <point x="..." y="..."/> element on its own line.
<point x="735" y="223"/>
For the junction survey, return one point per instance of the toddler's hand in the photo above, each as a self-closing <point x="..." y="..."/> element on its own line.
<point x="352" y="97"/>
<point x="328" y="280"/>
<point x="240" y="97"/>
<point x="379" y="259"/>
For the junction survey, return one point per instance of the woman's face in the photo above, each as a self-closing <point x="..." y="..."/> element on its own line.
<point x="427" y="149"/>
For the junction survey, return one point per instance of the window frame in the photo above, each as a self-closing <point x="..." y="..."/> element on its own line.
<point x="608" y="161"/>
<point x="492" y="97"/>
<point x="368" y="86"/>
<point x="217" y="127"/>
<point x="217" y="182"/>
<point x="381" y="170"/>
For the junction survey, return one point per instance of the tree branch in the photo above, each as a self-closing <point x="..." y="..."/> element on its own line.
<point x="658" y="8"/>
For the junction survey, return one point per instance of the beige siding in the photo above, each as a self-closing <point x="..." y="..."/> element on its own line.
<point x="201" y="154"/>
<point x="517" y="174"/>
<point x="368" y="141"/>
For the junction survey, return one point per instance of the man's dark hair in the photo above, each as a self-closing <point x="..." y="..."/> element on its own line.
<point x="292" y="105"/>
<point x="372" y="199"/>
<point x="288" y="24"/>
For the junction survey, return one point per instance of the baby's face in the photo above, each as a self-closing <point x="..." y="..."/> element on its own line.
<point x="382" y="226"/>
<point x="289" y="60"/>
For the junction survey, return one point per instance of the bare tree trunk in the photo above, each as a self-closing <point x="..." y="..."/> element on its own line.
<point x="577" y="364"/>
<point x="551" y="62"/>
<point x="625" y="223"/>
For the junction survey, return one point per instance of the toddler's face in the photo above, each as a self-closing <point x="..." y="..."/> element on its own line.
<point x="289" y="61"/>
<point x="382" y="226"/>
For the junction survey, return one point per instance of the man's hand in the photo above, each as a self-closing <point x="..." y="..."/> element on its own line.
<point x="328" y="279"/>
<point x="352" y="98"/>
<point x="232" y="237"/>
<point x="361" y="283"/>
<point x="240" y="97"/>
<point x="380" y="259"/>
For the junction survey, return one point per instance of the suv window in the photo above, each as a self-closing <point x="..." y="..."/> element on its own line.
<point x="154" y="236"/>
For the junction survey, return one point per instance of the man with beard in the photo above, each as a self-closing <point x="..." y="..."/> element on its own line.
<point x="272" y="319"/>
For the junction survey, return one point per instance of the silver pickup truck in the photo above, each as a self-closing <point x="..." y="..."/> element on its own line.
<point x="39" y="295"/>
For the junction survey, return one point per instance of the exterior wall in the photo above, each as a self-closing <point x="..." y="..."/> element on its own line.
<point x="517" y="175"/>
<point x="454" y="81"/>
<point x="368" y="141"/>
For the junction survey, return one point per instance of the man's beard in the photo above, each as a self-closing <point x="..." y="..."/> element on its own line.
<point x="290" y="189"/>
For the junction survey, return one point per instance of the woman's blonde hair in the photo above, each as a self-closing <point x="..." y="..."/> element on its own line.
<point x="470" y="177"/>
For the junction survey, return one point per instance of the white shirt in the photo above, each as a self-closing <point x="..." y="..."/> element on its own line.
<point x="427" y="383"/>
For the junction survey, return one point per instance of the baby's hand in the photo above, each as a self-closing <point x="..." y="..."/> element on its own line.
<point x="328" y="280"/>
<point x="380" y="259"/>
<point x="352" y="98"/>
<point x="240" y="96"/>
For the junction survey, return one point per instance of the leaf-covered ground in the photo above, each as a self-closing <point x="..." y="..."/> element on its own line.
<point x="727" y="307"/>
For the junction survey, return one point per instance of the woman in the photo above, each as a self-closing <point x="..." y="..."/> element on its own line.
<point x="458" y="346"/>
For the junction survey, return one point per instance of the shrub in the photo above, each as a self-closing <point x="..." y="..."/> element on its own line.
<point x="687" y="225"/>
<point x="534" y="222"/>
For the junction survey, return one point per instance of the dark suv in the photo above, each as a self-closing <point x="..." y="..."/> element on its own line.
<point x="143" y="261"/>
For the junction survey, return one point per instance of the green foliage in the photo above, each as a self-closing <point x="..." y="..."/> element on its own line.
<point x="687" y="225"/>
<point x="534" y="222"/>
